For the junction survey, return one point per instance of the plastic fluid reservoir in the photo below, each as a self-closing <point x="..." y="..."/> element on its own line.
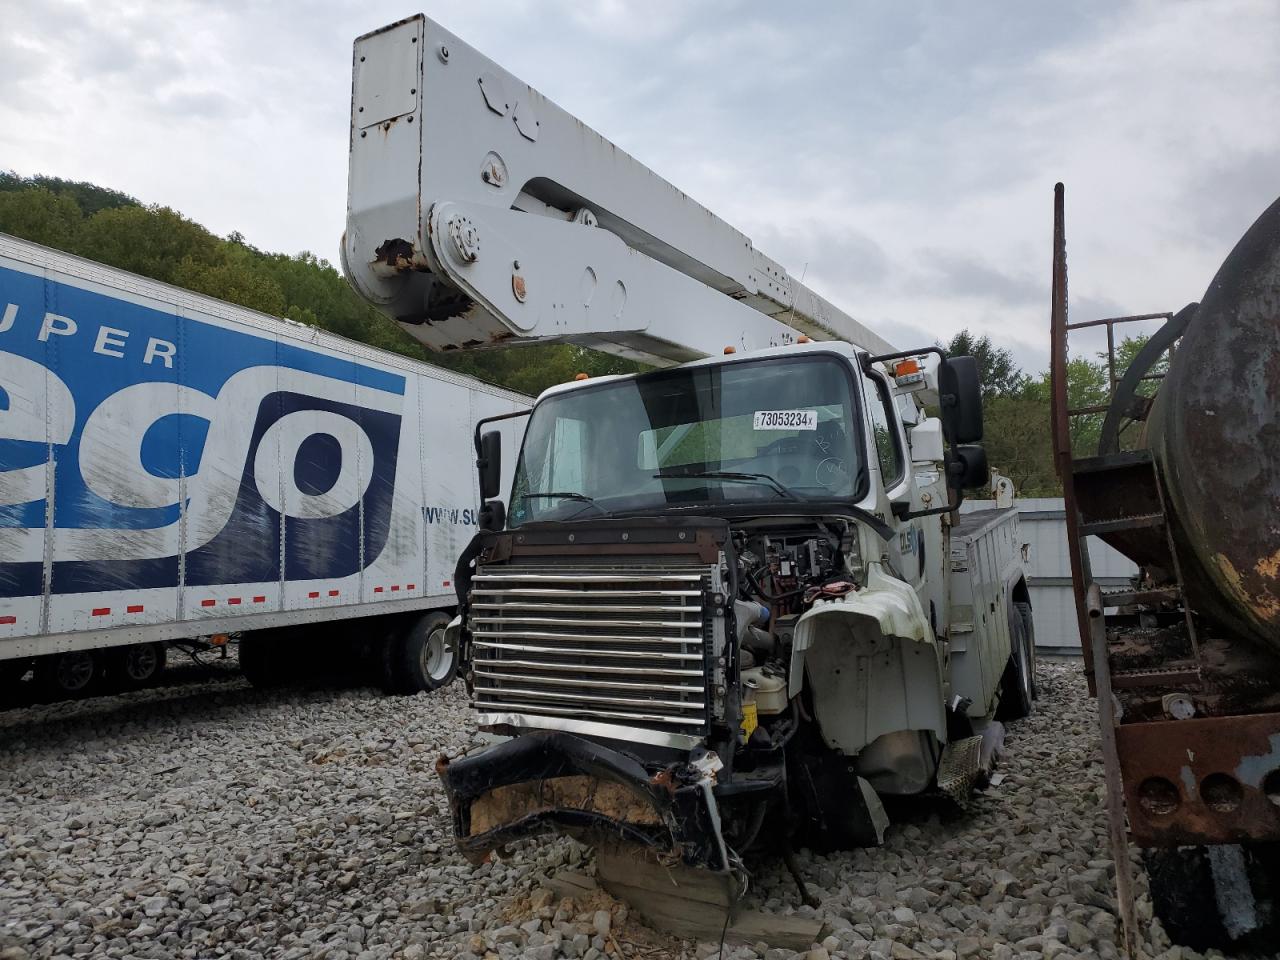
<point x="770" y="691"/>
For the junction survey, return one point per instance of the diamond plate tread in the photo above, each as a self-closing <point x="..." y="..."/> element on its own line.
<point x="958" y="768"/>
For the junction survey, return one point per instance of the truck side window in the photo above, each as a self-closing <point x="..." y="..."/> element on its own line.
<point x="880" y="408"/>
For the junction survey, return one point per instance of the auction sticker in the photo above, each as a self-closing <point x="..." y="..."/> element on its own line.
<point x="786" y="420"/>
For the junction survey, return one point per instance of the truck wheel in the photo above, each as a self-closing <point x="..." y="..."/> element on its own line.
<point x="1023" y="609"/>
<point x="70" y="674"/>
<point x="139" y="664"/>
<point x="425" y="660"/>
<point x="261" y="661"/>
<point x="1017" y="684"/>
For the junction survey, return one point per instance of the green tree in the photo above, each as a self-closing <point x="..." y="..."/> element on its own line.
<point x="152" y="241"/>
<point x="1000" y="376"/>
<point x="41" y="216"/>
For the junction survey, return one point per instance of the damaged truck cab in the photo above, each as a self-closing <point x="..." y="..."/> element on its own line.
<point x="718" y="609"/>
<point x="727" y="600"/>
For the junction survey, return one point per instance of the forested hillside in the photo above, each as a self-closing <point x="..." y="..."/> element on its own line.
<point x="157" y="242"/>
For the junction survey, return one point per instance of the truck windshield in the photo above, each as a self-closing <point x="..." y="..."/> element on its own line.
<point x="773" y="429"/>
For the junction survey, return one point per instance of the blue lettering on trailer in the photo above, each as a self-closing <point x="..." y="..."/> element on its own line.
<point x="143" y="415"/>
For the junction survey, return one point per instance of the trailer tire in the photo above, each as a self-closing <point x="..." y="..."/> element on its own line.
<point x="137" y="665"/>
<point x="11" y="674"/>
<point x="62" y="676"/>
<point x="395" y="679"/>
<point x="261" y="662"/>
<point x="425" y="658"/>
<point x="1017" y="684"/>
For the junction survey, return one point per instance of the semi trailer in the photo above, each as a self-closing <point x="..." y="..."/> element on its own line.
<point x="1185" y="662"/>
<point x="173" y="467"/>
<point x="730" y="601"/>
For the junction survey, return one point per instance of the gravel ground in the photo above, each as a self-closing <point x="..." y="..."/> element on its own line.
<point x="207" y="819"/>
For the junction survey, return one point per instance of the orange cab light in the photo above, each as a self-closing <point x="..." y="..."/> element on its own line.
<point x="729" y="350"/>
<point x="803" y="339"/>
<point x="905" y="367"/>
<point x="583" y="376"/>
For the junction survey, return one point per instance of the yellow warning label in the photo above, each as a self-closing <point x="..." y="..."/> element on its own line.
<point x="750" y="719"/>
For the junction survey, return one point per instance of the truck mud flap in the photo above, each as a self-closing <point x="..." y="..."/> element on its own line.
<point x="557" y="782"/>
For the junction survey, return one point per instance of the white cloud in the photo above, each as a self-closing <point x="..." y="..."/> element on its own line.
<point x="906" y="155"/>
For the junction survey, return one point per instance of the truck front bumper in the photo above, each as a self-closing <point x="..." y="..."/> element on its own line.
<point x="560" y="783"/>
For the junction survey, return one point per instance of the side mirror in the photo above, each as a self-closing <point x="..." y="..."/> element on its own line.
<point x="960" y="393"/>
<point x="493" y="515"/>
<point x="489" y="464"/>
<point x="967" y="468"/>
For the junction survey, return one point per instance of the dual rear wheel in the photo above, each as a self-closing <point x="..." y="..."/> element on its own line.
<point x="411" y="655"/>
<point x="1018" y="683"/>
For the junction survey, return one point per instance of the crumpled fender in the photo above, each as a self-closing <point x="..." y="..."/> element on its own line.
<point x="871" y="661"/>
<point x="892" y="604"/>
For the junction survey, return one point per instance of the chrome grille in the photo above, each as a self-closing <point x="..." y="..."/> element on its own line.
<point x="627" y="647"/>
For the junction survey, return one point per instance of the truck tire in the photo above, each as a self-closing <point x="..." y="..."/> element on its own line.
<point x="63" y="676"/>
<point x="1023" y="609"/>
<point x="137" y="665"/>
<point x="419" y="659"/>
<point x="1017" y="684"/>
<point x="1188" y="902"/>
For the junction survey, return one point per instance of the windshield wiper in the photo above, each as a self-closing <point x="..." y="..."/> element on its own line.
<point x="729" y="475"/>
<point x="566" y="495"/>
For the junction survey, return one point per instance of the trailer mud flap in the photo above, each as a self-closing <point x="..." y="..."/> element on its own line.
<point x="559" y="783"/>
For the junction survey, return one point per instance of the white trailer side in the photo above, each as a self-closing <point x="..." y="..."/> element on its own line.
<point x="172" y="465"/>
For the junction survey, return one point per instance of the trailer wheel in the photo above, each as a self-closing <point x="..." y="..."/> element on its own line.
<point x="1017" y="684"/>
<point x="70" y="674"/>
<point x="139" y="664"/>
<point x="11" y="674"/>
<point x="261" y="662"/>
<point x="427" y="662"/>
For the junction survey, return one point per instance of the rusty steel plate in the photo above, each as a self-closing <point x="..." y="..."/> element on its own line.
<point x="1211" y="780"/>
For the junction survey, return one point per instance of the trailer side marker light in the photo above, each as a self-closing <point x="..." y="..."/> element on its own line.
<point x="8" y="619"/>
<point x="218" y="640"/>
<point x="412" y="586"/>
<point x="133" y="608"/>
<point x="233" y="600"/>
<point x="378" y="589"/>
<point x="207" y="603"/>
<point x="395" y="587"/>
<point x="314" y="594"/>
<point x="446" y="583"/>
<point x="259" y="599"/>
<point x="333" y="593"/>
<point x="101" y="611"/>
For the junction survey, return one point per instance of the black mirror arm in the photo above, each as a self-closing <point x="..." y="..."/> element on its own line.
<point x="902" y="355"/>
<point x="494" y="419"/>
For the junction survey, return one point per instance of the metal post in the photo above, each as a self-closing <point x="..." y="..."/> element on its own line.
<point x="1111" y="767"/>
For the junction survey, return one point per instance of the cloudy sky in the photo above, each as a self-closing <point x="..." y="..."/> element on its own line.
<point x="900" y="156"/>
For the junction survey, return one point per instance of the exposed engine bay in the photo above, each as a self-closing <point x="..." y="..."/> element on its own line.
<point x="698" y="686"/>
<point x="781" y="572"/>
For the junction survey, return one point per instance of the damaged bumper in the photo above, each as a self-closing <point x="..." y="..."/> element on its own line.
<point x="557" y="782"/>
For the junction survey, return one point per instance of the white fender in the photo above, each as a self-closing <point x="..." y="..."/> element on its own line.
<point x="872" y="661"/>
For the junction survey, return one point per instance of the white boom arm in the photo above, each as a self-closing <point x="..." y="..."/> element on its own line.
<point x="480" y="213"/>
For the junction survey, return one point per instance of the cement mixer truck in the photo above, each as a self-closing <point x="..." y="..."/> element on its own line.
<point x="1185" y="662"/>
